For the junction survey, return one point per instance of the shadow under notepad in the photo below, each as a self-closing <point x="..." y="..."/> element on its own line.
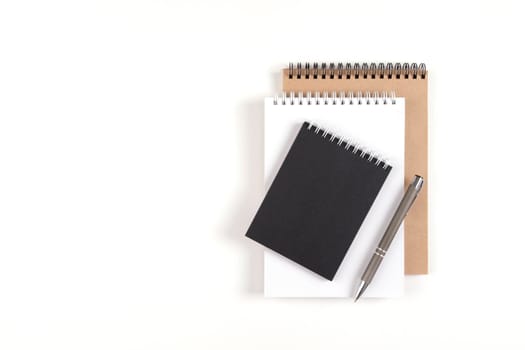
<point x="250" y="116"/>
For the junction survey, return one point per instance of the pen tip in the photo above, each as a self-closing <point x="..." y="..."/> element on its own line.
<point x="360" y="291"/>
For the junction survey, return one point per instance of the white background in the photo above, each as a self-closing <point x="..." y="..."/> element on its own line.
<point x="131" y="166"/>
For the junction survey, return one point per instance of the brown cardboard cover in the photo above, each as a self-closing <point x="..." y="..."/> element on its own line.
<point x="414" y="90"/>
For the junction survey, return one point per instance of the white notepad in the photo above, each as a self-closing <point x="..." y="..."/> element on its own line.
<point x="377" y="124"/>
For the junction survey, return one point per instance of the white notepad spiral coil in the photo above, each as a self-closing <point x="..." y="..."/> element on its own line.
<point x="334" y="98"/>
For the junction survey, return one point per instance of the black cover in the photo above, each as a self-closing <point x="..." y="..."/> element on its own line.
<point x="317" y="202"/>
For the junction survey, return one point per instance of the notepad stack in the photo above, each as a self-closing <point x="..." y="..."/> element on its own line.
<point x="334" y="171"/>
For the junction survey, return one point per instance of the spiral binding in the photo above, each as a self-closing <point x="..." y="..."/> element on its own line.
<point x="334" y="98"/>
<point x="357" y="71"/>
<point x="350" y="146"/>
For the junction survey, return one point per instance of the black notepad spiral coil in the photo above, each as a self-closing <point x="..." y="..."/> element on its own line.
<point x="350" y="146"/>
<point x="357" y="71"/>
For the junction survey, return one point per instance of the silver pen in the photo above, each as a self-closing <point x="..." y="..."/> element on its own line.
<point x="391" y="230"/>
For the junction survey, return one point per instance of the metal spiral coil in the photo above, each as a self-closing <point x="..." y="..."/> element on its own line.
<point x="335" y="98"/>
<point x="357" y="71"/>
<point x="351" y="146"/>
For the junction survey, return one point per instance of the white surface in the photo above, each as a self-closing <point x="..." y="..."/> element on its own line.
<point x="127" y="180"/>
<point x="377" y="128"/>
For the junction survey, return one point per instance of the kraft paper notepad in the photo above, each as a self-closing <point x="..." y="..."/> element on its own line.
<point x="408" y="81"/>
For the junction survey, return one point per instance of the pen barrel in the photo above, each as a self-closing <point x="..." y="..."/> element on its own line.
<point x="401" y="212"/>
<point x="373" y="265"/>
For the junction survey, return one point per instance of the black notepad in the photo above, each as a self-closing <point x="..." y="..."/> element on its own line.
<point x="318" y="200"/>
